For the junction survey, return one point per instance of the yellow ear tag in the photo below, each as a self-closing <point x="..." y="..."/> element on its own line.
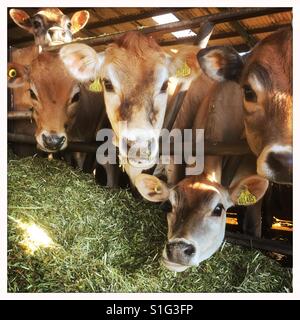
<point x="246" y="198"/>
<point x="95" y="86"/>
<point x="183" y="71"/>
<point x="158" y="189"/>
<point x="12" y="73"/>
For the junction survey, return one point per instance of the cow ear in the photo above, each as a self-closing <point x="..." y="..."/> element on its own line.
<point x="248" y="190"/>
<point x="79" y="20"/>
<point x="17" y="75"/>
<point x="151" y="188"/>
<point x="21" y="18"/>
<point x="82" y="61"/>
<point x="221" y="63"/>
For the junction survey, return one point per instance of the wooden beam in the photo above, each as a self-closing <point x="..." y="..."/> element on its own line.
<point x="244" y="13"/>
<point x="249" y="39"/>
<point x="133" y="17"/>
<point x="223" y="35"/>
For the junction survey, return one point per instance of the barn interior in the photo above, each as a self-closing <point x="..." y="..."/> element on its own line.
<point x="241" y="28"/>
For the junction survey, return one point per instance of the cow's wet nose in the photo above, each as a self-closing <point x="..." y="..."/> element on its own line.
<point x="142" y="149"/>
<point x="282" y="165"/>
<point x="53" y="141"/>
<point x="280" y="161"/>
<point x="180" y="251"/>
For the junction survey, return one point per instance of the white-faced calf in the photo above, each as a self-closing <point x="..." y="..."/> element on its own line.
<point x="197" y="215"/>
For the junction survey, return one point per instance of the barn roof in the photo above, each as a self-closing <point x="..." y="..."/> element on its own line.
<point x="242" y="32"/>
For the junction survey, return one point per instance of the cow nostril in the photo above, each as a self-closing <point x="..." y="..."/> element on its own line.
<point x="179" y="249"/>
<point x="190" y="249"/>
<point x="53" y="141"/>
<point x="280" y="161"/>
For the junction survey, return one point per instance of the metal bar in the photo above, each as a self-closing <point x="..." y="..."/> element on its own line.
<point x="244" y="13"/>
<point x="72" y="146"/>
<point x="259" y="243"/>
<point x="171" y="117"/>
<point x="249" y="39"/>
<point x="204" y="34"/>
<point x="19" y="115"/>
<point x="210" y="148"/>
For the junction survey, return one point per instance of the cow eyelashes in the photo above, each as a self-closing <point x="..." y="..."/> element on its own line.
<point x="76" y="97"/>
<point x="32" y="95"/>
<point x="218" y="210"/>
<point x="108" y="85"/>
<point x="164" y="87"/>
<point x="249" y="93"/>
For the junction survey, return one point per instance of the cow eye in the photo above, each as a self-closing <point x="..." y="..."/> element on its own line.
<point x="249" y="94"/>
<point x="32" y="95"/>
<point x="164" y="87"/>
<point x="218" y="210"/>
<point x="69" y="25"/>
<point x="76" y="97"/>
<point x="108" y="85"/>
<point x="37" y="24"/>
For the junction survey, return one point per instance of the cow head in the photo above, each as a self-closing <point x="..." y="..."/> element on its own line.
<point x="196" y="215"/>
<point x="266" y="78"/>
<point x="50" y="26"/>
<point x="134" y="72"/>
<point x="53" y="95"/>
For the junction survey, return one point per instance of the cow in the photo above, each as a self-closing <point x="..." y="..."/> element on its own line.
<point x="134" y="71"/>
<point x="62" y="108"/>
<point x="50" y="26"/>
<point x="197" y="204"/>
<point x="265" y="75"/>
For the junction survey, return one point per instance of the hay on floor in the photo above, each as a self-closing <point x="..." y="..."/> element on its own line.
<point x="67" y="234"/>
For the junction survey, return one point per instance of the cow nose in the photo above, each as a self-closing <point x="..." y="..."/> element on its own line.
<point x="142" y="149"/>
<point x="280" y="161"/>
<point x="281" y="165"/>
<point x="180" y="251"/>
<point x="53" y="141"/>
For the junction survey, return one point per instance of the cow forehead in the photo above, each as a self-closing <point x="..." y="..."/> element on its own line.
<point x="271" y="62"/>
<point x="52" y="14"/>
<point x="50" y="76"/>
<point x="200" y="194"/>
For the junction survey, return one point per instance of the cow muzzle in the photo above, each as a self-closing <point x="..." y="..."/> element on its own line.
<point x="52" y="142"/>
<point x="178" y="254"/>
<point x="57" y="35"/>
<point x="139" y="149"/>
<point x="276" y="163"/>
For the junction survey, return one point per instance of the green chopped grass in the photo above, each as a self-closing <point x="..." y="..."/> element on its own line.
<point x="107" y="241"/>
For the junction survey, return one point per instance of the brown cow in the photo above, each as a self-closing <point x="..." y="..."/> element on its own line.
<point x="135" y="72"/>
<point x="266" y="78"/>
<point x="62" y="108"/>
<point x="50" y="26"/>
